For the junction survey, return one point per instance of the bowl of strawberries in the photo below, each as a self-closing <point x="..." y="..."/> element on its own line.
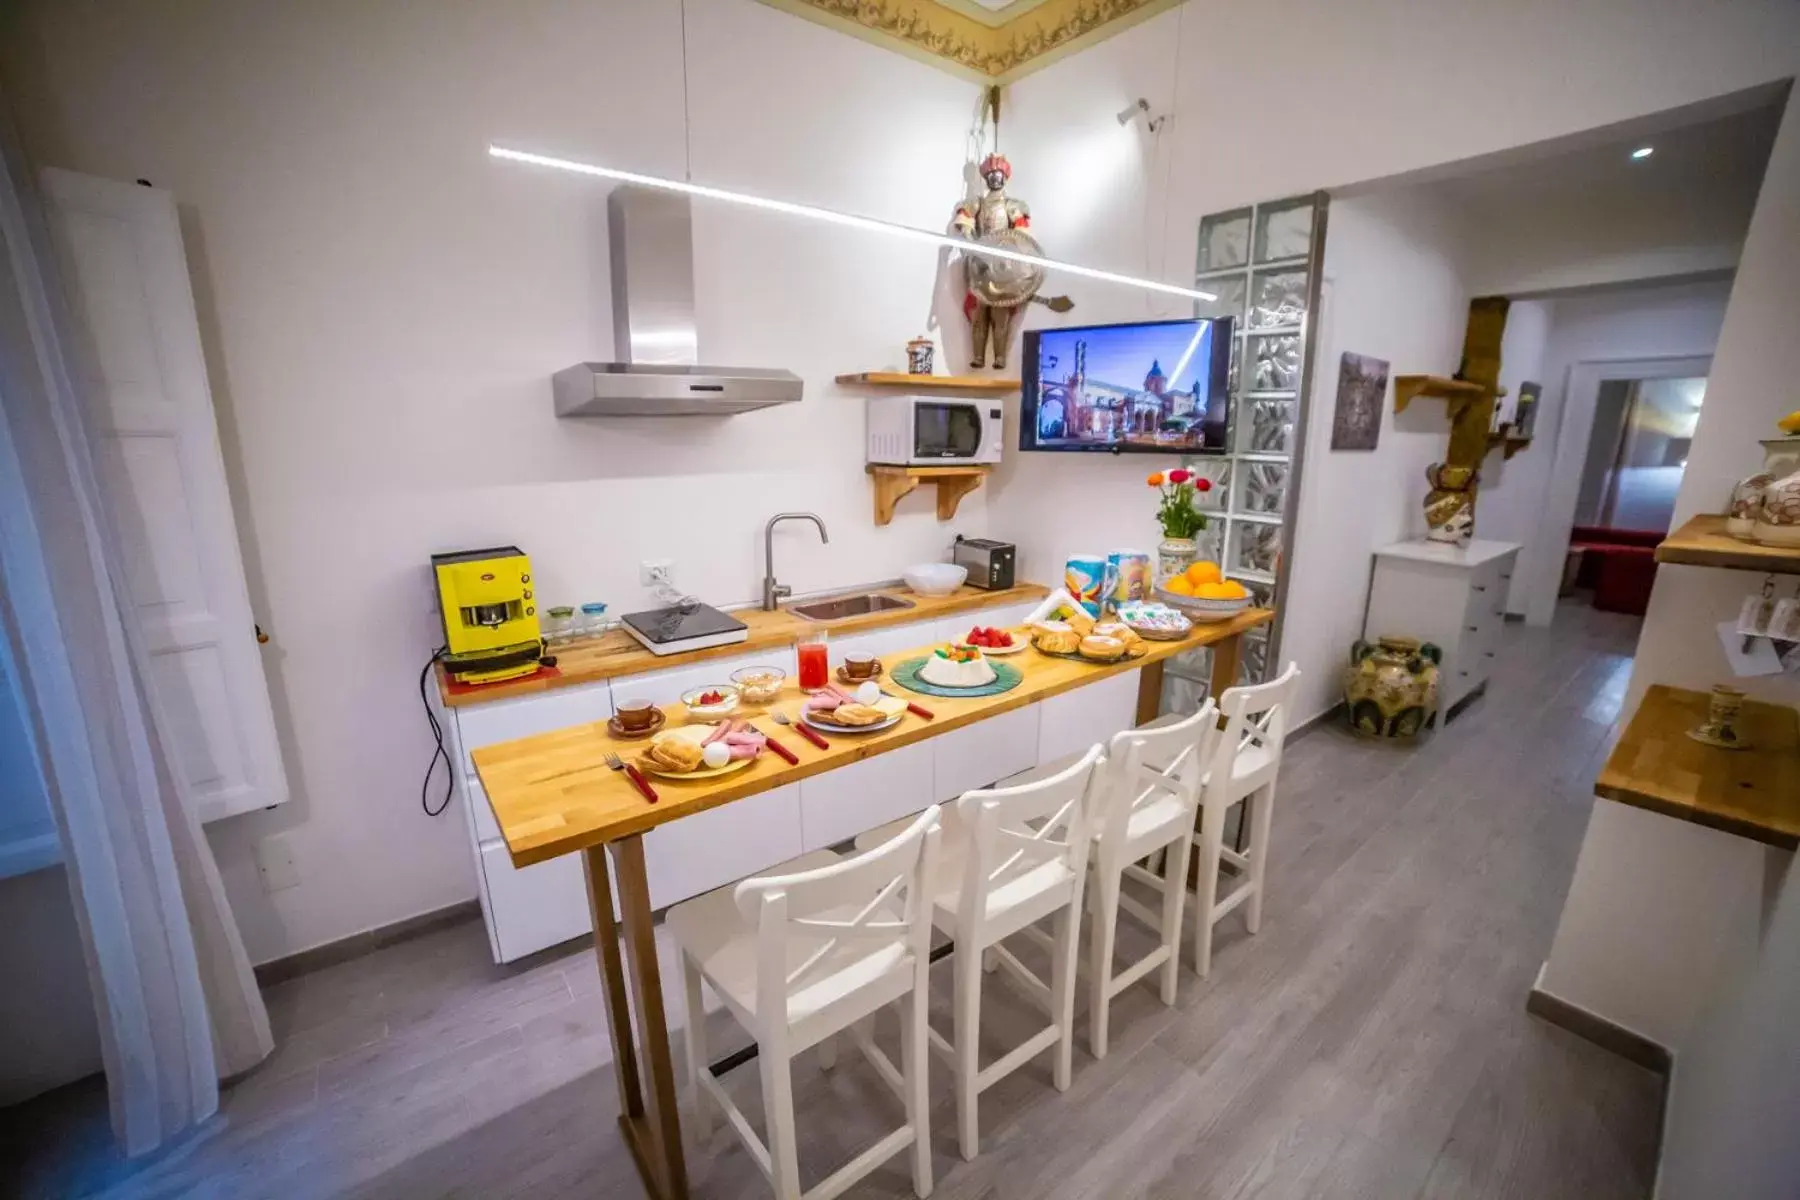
<point x="990" y="640"/>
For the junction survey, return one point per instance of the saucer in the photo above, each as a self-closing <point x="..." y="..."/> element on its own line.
<point x="845" y="678"/>
<point x="619" y="731"/>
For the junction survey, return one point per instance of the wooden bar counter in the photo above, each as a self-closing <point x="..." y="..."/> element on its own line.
<point x="553" y="794"/>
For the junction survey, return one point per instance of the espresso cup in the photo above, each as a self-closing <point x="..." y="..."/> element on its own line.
<point x="635" y="714"/>
<point x="859" y="665"/>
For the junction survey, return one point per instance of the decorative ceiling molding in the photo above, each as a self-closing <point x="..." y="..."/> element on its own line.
<point x="989" y="41"/>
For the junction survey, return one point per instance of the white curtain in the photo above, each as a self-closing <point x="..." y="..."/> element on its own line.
<point x="177" y="1001"/>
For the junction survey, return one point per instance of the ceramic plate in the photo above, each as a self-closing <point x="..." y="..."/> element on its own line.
<point x="695" y="734"/>
<point x="1020" y="641"/>
<point x="892" y="705"/>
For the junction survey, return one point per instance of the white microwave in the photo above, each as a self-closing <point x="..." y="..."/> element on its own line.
<point x="927" y="430"/>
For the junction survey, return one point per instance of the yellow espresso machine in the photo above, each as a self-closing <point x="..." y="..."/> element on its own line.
<point x="490" y="617"/>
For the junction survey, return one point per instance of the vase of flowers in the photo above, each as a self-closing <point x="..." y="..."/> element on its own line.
<point x="1179" y="519"/>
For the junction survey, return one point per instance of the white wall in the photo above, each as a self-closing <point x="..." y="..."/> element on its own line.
<point x="1505" y="509"/>
<point x="1540" y="486"/>
<point x="1720" y="972"/>
<point x="1393" y="290"/>
<point x="382" y="305"/>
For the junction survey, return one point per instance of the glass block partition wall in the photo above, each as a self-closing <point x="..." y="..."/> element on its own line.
<point x="1263" y="263"/>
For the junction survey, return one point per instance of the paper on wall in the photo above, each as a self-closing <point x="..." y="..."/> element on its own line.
<point x="1748" y="656"/>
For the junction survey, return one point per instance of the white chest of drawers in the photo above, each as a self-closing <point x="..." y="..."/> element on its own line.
<point x="1452" y="596"/>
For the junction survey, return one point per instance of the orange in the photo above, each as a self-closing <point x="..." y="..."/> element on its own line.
<point x="1203" y="572"/>
<point x="1225" y="589"/>
<point x="1179" y="585"/>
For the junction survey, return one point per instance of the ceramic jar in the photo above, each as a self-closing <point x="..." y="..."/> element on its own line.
<point x="1778" y="521"/>
<point x="1450" y="505"/>
<point x="1173" y="556"/>
<point x="1781" y="456"/>
<point x="1391" y="687"/>
<point x="1746" y="505"/>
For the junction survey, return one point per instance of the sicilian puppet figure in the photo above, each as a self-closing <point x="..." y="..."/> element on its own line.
<point x="997" y="287"/>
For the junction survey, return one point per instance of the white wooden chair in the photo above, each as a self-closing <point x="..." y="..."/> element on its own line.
<point x="1244" y="760"/>
<point x="1012" y="856"/>
<point x="1143" y="810"/>
<point x="799" y="955"/>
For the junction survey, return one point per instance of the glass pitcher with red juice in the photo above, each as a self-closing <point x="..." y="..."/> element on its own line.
<point x="815" y="664"/>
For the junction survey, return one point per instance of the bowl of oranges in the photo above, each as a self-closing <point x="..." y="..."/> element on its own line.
<point x="1203" y="593"/>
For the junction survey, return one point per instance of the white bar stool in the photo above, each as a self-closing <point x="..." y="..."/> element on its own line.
<point x="1243" y="763"/>
<point x="1143" y="810"/>
<point x="1011" y="857"/>
<point x="800" y="955"/>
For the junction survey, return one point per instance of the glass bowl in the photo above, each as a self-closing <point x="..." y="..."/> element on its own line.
<point x="759" y="685"/>
<point x="708" y="712"/>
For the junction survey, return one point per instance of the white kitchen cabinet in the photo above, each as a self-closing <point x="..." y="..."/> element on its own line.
<point x="988" y="750"/>
<point x="842" y="803"/>
<point x="1452" y="596"/>
<point x="529" y="908"/>
<point x="664" y="687"/>
<point x="1068" y="724"/>
<point x="882" y="642"/>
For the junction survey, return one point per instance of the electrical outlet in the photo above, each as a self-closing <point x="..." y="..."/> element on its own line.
<point x="653" y="571"/>
<point x="275" y="863"/>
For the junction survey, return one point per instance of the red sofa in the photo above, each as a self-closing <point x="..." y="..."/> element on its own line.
<point x="1619" y="564"/>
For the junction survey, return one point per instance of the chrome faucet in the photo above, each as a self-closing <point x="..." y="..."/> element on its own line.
<point x="774" y="593"/>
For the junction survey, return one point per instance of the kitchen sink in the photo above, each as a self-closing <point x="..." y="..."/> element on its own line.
<point x="838" y="607"/>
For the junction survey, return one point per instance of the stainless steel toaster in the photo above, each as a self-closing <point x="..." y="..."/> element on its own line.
<point x="990" y="563"/>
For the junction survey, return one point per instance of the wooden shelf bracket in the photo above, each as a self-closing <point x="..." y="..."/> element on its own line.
<point x="892" y="484"/>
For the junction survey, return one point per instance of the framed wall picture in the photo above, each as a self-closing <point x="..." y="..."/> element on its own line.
<point x="1525" y="411"/>
<point x="1362" y="391"/>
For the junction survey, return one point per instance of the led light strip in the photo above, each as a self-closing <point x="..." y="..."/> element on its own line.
<point x="849" y="220"/>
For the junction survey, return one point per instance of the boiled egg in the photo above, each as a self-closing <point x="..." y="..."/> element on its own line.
<point x="868" y="694"/>
<point x="716" y="755"/>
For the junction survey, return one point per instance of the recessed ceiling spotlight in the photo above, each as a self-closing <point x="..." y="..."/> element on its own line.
<point x="1643" y="152"/>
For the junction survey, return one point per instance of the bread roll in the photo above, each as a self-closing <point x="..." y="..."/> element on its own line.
<point x="853" y="715"/>
<point x="1106" y="649"/>
<point x="674" y="754"/>
<point x="1054" y="637"/>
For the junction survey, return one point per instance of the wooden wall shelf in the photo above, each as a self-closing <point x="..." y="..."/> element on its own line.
<point x="983" y="384"/>
<point x="1752" y="793"/>
<point x="1703" y="542"/>
<point x="953" y="483"/>
<point x="1458" y="391"/>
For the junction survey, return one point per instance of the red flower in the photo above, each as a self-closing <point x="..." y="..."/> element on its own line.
<point x="1202" y="484"/>
<point x="1180" y="475"/>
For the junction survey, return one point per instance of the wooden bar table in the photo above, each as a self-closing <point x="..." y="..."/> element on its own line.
<point x="553" y="794"/>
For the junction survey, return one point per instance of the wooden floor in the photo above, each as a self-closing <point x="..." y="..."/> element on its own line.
<point x="1371" y="1041"/>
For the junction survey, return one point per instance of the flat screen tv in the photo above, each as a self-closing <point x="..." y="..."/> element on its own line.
<point x="1155" y="387"/>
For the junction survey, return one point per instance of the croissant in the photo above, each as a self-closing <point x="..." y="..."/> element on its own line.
<point x="1054" y="637"/>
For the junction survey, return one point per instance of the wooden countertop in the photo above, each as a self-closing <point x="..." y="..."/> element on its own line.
<point x="1703" y="542"/>
<point x="553" y="793"/>
<point x="1753" y="793"/>
<point x="617" y="653"/>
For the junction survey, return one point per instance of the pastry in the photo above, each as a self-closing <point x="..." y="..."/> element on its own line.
<point x="1098" y="646"/>
<point x="957" y="667"/>
<point x="674" y="754"/>
<point x="1134" y="645"/>
<point x="853" y="715"/>
<point x="1054" y="637"/>
<point x="1079" y="621"/>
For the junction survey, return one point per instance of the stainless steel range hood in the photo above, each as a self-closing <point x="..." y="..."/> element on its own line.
<point x="650" y="232"/>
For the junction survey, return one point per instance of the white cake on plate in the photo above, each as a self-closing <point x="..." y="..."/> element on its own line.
<point x="957" y="667"/>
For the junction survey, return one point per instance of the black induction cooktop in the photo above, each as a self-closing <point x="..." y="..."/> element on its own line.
<point x="683" y="627"/>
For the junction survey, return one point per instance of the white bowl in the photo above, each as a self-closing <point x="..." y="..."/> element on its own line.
<point x="935" y="579"/>
<point x="1199" y="608"/>
<point x="709" y="712"/>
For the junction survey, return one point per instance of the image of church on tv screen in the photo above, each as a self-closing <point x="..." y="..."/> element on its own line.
<point x="1130" y="387"/>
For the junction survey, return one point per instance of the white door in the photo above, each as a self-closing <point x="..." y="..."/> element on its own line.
<point x="157" y="452"/>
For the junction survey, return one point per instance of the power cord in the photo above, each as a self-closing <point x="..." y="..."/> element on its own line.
<point x="437" y="734"/>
